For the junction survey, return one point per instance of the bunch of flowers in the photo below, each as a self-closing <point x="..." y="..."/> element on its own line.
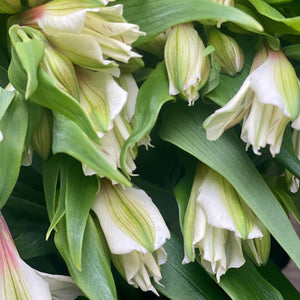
<point x="82" y="89"/>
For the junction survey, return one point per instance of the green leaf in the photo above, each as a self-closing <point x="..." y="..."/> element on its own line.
<point x="80" y="194"/>
<point x="287" y="203"/>
<point x="185" y="281"/>
<point x="51" y="169"/>
<point x="60" y="204"/>
<point x="267" y="10"/>
<point x="95" y="278"/>
<point x="274" y="275"/>
<point x="6" y="97"/>
<point x="151" y="97"/>
<point x="69" y="138"/>
<point x="47" y="94"/>
<point x="30" y="54"/>
<point x="13" y="126"/>
<point x="292" y="51"/>
<point x="183" y="188"/>
<point x="246" y="283"/>
<point x="287" y="155"/>
<point x="182" y="126"/>
<point x="155" y="16"/>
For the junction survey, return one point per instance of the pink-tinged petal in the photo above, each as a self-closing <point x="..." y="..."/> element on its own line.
<point x="19" y="281"/>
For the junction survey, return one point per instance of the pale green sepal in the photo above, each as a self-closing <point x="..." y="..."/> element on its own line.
<point x="228" y="54"/>
<point x="30" y="53"/>
<point x="194" y="224"/>
<point x="287" y="84"/>
<point x="258" y="249"/>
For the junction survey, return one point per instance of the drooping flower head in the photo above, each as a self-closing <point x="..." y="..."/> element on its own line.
<point x="135" y="232"/>
<point x="216" y="221"/>
<point x="267" y="100"/>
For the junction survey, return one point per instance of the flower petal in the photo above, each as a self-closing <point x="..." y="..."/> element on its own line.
<point x="129" y="219"/>
<point x="275" y="82"/>
<point x="73" y="23"/>
<point x="101" y="97"/>
<point x="82" y="50"/>
<point x="230" y="114"/>
<point x="61" y="287"/>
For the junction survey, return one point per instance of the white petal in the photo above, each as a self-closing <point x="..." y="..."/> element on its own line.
<point x="1" y="136"/>
<point x="28" y="158"/>
<point x="262" y="81"/>
<point x="124" y="32"/>
<point x="210" y="200"/>
<point x="230" y="114"/>
<point x="296" y="123"/>
<point x="128" y="83"/>
<point x="61" y="287"/>
<point x="112" y="48"/>
<point x="73" y="23"/>
<point x="81" y="49"/>
<point x="36" y="286"/>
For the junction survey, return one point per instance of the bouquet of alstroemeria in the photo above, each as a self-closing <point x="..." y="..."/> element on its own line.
<point x="107" y="191"/>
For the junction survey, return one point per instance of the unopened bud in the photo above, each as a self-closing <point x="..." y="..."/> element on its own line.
<point x="228" y="54"/>
<point x="42" y="138"/>
<point x="187" y="68"/>
<point x="258" y="249"/>
<point x="10" y="6"/>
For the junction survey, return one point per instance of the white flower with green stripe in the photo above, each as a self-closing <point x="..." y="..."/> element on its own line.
<point x="135" y="232"/>
<point x="216" y="221"/>
<point x="267" y="100"/>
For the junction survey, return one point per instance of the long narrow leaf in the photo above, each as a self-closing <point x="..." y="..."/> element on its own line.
<point x="155" y="16"/>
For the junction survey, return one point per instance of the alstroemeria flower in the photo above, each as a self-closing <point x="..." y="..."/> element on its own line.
<point x="188" y="69"/>
<point x="85" y="32"/>
<point x="267" y="101"/>
<point x="135" y="232"/>
<point x="216" y="220"/>
<point x="101" y="97"/>
<point x="19" y="281"/>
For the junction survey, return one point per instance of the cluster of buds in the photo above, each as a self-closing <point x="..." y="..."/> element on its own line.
<point x="218" y="223"/>
<point x="188" y="65"/>
<point x="267" y="100"/>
